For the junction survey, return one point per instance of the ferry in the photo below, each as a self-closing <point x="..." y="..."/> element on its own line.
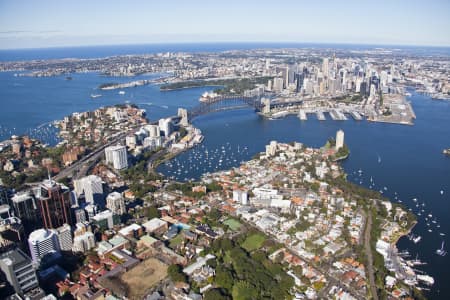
<point x="441" y="252"/>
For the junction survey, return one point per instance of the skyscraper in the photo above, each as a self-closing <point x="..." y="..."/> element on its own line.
<point x="325" y="70"/>
<point x="25" y="207"/>
<point x="117" y="156"/>
<point x="42" y="242"/>
<point x="64" y="237"/>
<point x="116" y="203"/>
<point x="19" y="272"/>
<point x="54" y="204"/>
<point x="92" y="188"/>
<point x="339" y="139"/>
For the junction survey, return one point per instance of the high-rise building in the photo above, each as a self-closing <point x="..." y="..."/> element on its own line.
<point x="117" y="156"/>
<point x="84" y="239"/>
<point x="277" y="84"/>
<point x="43" y="242"/>
<point x="339" y="139"/>
<point x="92" y="188"/>
<point x="116" y="203"/>
<point x="25" y="207"/>
<point x="271" y="149"/>
<point x="325" y="65"/>
<point x="19" y="272"/>
<point x="131" y="141"/>
<point x="104" y="219"/>
<point x="80" y="215"/>
<point x="54" y="204"/>
<point x="64" y="237"/>
<point x="4" y="199"/>
<point x="83" y="242"/>
<point x="91" y="210"/>
<point x="166" y="126"/>
<point x="153" y="130"/>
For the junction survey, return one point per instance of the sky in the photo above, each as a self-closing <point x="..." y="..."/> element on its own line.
<point x="60" y="23"/>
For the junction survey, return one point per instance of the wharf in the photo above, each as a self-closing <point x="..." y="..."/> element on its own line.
<point x="302" y="115"/>
<point x="320" y="116"/>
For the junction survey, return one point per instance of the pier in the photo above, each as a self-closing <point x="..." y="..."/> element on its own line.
<point x="302" y="115"/>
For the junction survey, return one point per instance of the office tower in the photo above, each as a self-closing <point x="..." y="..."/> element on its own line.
<point x="54" y="204"/>
<point x="64" y="237"/>
<point x="116" y="203"/>
<point x="117" y="156"/>
<point x="165" y="125"/>
<point x="339" y="139"/>
<point x="25" y="207"/>
<point x="299" y="77"/>
<point x="277" y="84"/>
<point x="42" y="242"/>
<point x="325" y="70"/>
<point x="92" y="188"/>
<point x="19" y="272"/>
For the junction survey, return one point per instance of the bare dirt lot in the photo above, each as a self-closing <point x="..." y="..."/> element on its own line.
<point x="142" y="277"/>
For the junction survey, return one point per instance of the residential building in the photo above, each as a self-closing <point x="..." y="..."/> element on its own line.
<point x="117" y="156"/>
<point x="92" y="188"/>
<point x="43" y="242"/>
<point x="116" y="203"/>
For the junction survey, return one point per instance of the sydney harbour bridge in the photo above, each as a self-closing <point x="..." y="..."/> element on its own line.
<point x="223" y="103"/>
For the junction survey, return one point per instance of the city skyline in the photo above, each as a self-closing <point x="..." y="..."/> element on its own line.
<point x="138" y="22"/>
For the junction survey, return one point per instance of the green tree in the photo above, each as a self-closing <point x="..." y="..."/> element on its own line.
<point x="176" y="274"/>
<point x="242" y="290"/>
<point x="214" y="294"/>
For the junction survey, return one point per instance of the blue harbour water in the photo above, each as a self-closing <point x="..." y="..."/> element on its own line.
<point x="403" y="161"/>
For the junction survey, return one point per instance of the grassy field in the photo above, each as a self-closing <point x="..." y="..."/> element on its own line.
<point x="233" y="224"/>
<point x="143" y="277"/>
<point x="253" y="242"/>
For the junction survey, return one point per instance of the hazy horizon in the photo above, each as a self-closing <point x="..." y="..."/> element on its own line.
<point x="70" y="24"/>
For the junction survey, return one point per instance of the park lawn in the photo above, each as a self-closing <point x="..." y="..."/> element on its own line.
<point x="253" y="242"/>
<point x="233" y="224"/>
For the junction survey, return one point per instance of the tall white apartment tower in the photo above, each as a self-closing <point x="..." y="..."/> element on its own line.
<point x="116" y="203"/>
<point x="91" y="186"/>
<point x="65" y="237"/>
<point x="117" y="156"/>
<point x="41" y="243"/>
<point x="339" y="139"/>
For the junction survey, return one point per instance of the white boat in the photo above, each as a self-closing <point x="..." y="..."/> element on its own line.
<point x="416" y="239"/>
<point x="93" y="96"/>
<point x="121" y="92"/>
<point x="441" y="251"/>
<point x="426" y="279"/>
